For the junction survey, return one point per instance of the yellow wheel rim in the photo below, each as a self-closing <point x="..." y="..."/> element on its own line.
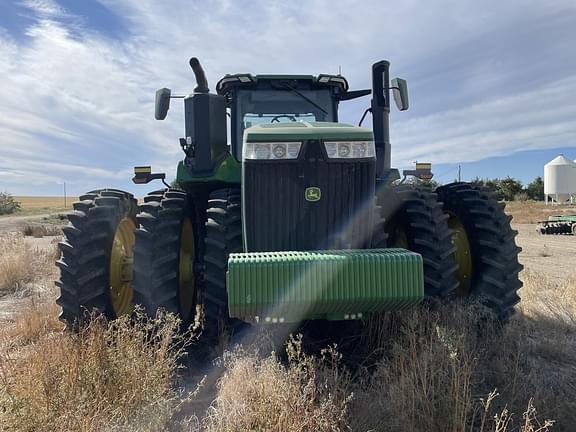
<point x="186" y="270"/>
<point x="462" y="255"/>
<point x="121" y="262"/>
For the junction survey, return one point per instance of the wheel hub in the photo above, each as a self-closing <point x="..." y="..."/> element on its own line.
<point x="462" y="254"/>
<point x="121" y="267"/>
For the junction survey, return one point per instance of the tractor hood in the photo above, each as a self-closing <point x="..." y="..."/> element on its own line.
<point x="301" y="131"/>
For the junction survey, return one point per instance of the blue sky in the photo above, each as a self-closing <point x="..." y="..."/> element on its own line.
<point x="492" y="83"/>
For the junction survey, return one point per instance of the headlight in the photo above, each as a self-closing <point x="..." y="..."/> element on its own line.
<point x="273" y="150"/>
<point x="350" y="149"/>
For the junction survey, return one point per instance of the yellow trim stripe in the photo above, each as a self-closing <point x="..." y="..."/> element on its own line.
<point x="142" y="170"/>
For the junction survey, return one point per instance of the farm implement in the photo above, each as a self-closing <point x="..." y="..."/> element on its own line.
<point x="562" y="224"/>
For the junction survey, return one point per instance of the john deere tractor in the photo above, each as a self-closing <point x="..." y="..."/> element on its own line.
<point x="284" y="215"/>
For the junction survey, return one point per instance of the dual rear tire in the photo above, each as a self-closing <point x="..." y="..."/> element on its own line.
<point x="165" y="255"/>
<point x="486" y="251"/>
<point x="96" y="257"/>
<point x="169" y="255"/>
<point x="465" y="239"/>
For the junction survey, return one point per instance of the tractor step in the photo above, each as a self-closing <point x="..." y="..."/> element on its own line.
<point x="291" y="286"/>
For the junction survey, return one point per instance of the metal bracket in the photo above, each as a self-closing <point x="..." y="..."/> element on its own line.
<point x="143" y="175"/>
<point x="423" y="171"/>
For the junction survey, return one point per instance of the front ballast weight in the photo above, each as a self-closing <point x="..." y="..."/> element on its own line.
<point x="292" y="286"/>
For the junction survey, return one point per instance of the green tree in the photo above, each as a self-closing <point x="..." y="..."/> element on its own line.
<point x="478" y="181"/>
<point x="8" y="204"/>
<point x="535" y="189"/>
<point x="494" y="184"/>
<point x="432" y="184"/>
<point x="509" y="188"/>
<point x="506" y="189"/>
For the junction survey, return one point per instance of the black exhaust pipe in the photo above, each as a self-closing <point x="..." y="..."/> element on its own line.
<point x="380" y="105"/>
<point x="201" y="81"/>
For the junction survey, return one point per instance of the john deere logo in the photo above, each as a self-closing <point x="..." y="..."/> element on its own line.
<point x="312" y="194"/>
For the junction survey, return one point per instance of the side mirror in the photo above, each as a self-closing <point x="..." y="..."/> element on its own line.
<point x="162" y="103"/>
<point x="400" y="90"/>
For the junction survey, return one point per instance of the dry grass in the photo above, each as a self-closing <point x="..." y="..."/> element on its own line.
<point x="442" y="369"/>
<point x="38" y="318"/>
<point x="39" y="231"/>
<point x="261" y="394"/>
<point x="535" y="211"/>
<point x="116" y="376"/>
<point x="22" y="266"/>
<point x="119" y="376"/>
<point x="447" y="369"/>
<point x="16" y="267"/>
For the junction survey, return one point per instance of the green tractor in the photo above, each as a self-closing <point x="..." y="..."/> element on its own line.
<point x="283" y="215"/>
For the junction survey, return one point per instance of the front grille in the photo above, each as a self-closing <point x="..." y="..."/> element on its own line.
<point x="277" y="217"/>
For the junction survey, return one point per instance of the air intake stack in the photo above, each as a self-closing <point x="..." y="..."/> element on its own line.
<point x="205" y="143"/>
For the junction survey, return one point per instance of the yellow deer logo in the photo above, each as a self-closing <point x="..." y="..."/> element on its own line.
<point x="312" y="194"/>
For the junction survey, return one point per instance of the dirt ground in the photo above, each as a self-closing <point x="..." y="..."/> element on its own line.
<point x="17" y="223"/>
<point x="551" y="255"/>
<point x="531" y="212"/>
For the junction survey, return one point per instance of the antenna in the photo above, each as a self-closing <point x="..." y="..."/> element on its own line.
<point x="339" y="69"/>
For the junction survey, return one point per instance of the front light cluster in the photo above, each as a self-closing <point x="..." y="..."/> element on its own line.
<point x="272" y="150"/>
<point x="350" y="149"/>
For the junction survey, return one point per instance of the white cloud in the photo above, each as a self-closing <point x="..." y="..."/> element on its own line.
<point x="537" y="119"/>
<point x="77" y="104"/>
<point x="45" y="8"/>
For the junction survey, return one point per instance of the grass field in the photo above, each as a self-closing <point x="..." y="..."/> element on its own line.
<point x="435" y="370"/>
<point x="40" y="205"/>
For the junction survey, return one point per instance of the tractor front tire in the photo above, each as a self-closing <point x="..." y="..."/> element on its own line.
<point x="165" y="255"/>
<point x="223" y="237"/>
<point x="96" y="257"/>
<point x="486" y="250"/>
<point x="414" y="220"/>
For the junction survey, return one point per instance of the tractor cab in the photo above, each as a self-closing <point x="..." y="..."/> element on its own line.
<point x="272" y="99"/>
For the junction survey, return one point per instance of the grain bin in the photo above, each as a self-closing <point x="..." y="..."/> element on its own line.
<point x="560" y="179"/>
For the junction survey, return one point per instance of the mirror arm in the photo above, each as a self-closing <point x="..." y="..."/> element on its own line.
<point x="368" y="110"/>
<point x="354" y="94"/>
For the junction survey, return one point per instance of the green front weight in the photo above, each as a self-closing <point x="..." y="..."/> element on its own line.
<point x="278" y="287"/>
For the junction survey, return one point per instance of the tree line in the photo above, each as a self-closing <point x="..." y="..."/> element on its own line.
<point x="507" y="189"/>
<point x="511" y="189"/>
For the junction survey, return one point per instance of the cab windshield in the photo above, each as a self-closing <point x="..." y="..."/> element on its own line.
<point x="255" y="107"/>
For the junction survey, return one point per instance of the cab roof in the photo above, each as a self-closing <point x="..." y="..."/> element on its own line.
<point x="246" y="80"/>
